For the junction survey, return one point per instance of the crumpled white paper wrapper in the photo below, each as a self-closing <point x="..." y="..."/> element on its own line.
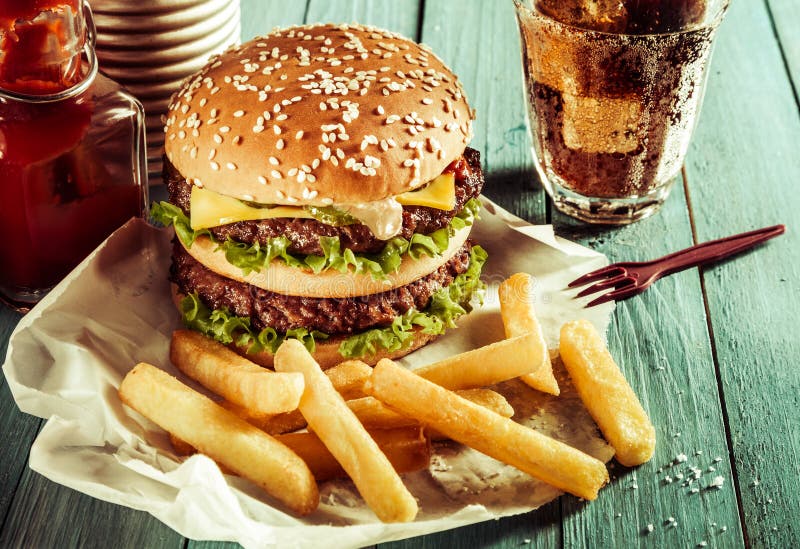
<point x="69" y="354"/>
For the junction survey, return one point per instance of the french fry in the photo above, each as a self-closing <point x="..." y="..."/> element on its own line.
<point x="519" y="317"/>
<point x="221" y="435"/>
<point x="606" y="393"/>
<point x="374" y="415"/>
<point x="501" y="438"/>
<point x="345" y="437"/>
<point x="407" y="449"/>
<point x="489" y="399"/>
<point x="348" y="378"/>
<point x="182" y="448"/>
<point x="274" y="425"/>
<point x="235" y="378"/>
<point x="486" y="365"/>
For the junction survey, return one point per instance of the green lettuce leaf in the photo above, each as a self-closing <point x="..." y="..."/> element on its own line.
<point x="254" y="257"/>
<point x="447" y="304"/>
<point x="226" y="328"/>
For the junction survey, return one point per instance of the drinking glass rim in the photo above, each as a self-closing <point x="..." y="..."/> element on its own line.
<point x="520" y="5"/>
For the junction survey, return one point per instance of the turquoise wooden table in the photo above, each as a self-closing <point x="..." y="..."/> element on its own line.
<point x="713" y="353"/>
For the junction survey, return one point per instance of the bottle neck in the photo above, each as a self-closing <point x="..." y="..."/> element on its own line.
<point x="41" y="42"/>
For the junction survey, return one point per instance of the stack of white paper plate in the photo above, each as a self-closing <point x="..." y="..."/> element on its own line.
<point x="151" y="46"/>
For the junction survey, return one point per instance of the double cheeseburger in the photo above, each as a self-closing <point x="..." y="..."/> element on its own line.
<point x="321" y="189"/>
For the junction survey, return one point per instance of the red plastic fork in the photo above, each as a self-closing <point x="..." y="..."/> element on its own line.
<point x="630" y="278"/>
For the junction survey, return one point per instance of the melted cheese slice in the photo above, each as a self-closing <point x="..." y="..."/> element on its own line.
<point x="439" y="193"/>
<point x="211" y="209"/>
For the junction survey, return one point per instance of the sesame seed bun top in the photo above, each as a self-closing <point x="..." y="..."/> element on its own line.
<point x="319" y="115"/>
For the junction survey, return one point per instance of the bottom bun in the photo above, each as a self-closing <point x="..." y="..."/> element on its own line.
<point x="326" y="352"/>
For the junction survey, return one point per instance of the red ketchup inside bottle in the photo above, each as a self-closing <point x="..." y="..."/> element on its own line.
<point x="56" y="202"/>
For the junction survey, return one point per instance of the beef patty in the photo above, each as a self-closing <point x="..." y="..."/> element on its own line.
<point x="305" y="234"/>
<point x="330" y="315"/>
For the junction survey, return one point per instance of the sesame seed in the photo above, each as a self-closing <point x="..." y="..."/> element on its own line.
<point x="262" y="179"/>
<point x="299" y="135"/>
<point x="230" y="166"/>
<point x="280" y="144"/>
<point x="276" y="174"/>
<point x="212" y="153"/>
<point x="215" y="166"/>
<point x="218" y="138"/>
<point x="273" y="161"/>
<point x="238" y="114"/>
<point x="237" y="139"/>
<point x="276" y="129"/>
<point x="224" y="129"/>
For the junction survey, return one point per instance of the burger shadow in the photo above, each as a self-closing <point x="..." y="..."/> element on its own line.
<point x="521" y="192"/>
<point x="518" y="191"/>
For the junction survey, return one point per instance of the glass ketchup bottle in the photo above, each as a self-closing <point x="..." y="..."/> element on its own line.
<point x="72" y="150"/>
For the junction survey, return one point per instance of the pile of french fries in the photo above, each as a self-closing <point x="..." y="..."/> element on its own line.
<point x="288" y="429"/>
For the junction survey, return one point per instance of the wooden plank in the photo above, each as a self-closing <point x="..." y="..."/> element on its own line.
<point x="785" y="16"/>
<point x="753" y="128"/>
<point x="512" y="532"/>
<point x="660" y="341"/>
<point x="46" y="514"/>
<point x="399" y="15"/>
<point x="17" y="430"/>
<point x="480" y="43"/>
<point x="261" y="16"/>
<point x="682" y="399"/>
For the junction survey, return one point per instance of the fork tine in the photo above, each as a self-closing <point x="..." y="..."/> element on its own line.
<point x="608" y="270"/>
<point x="602" y="285"/>
<point x="616" y="295"/>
